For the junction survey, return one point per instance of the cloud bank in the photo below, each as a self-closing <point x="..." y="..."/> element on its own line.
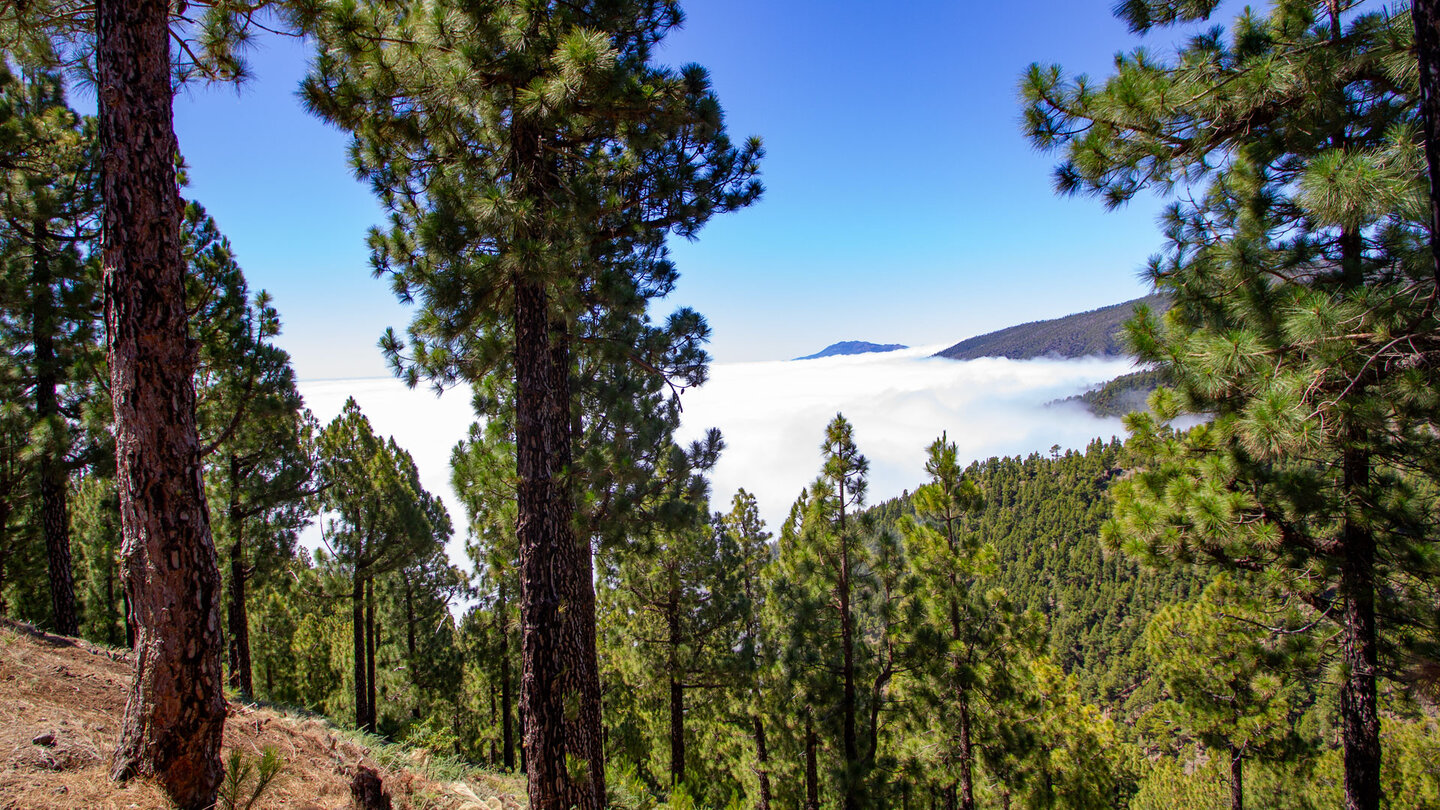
<point x="773" y="417"/>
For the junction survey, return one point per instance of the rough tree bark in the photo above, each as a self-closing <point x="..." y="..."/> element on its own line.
<point x="175" y="713"/>
<point x="762" y="763"/>
<point x="1359" y="705"/>
<point x="507" y="691"/>
<point x="238" y="614"/>
<point x="560" y="680"/>
<point x="1237" y="779"/>
<point x="358" y="639"/>
<point x="812" y="769"/>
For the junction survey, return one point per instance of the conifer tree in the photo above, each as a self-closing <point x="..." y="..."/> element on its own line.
<point x="255" y="433"/>
<point x="1300" y="320"/>
<point x="534" y="160"/>
<point x="753" y="656"/>
<point x="1221" y="672"/>
<point x="823" y="577"/>
<point x="969" y="641"/>
<point x="379" y="518"/>
<point x="483" y="475"/>
<point x="49" y="313"/>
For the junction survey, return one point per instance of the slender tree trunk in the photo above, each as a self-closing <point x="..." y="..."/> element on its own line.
<point x="239" y="620"/>
<point x="357" y="621"/>
<point x="762" y="762"/>
<point x="948" y="797"/>
<point x="1237" y="779"/>
<point x="1426" y="16"/>
<point x="54" y="478"/>
<point x="239" y="624"/>
<point x="847" y="644"/>
<point x="507" y="696"/>
<point x="175" y="714"/>
<point x="812" y="769"/>
<point x="677" y="731"/>
<point x="372" y="714"/>
<point x="560" y="679"/>
<point x="967" y="755"/>
<point x="677" y="690"/>
<point x="6" y="549"/>
<point x="1359" y="708"/>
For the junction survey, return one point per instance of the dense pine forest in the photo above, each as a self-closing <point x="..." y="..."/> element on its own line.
<point x="1237" y="605"/>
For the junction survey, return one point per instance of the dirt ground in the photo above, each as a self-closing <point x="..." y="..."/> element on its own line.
<point x="61" y="702"/>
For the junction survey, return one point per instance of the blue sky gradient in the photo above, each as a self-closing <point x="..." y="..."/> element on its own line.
<point x="903" y="204"/>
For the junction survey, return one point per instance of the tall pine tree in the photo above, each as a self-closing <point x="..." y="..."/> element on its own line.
<point x="534" y="160"/>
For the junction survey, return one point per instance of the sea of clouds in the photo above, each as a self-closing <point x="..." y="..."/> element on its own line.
<point x="773" y="417"/>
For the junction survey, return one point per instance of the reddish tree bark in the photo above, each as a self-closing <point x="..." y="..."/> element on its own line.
<point x="560" y="678"/>
<point x="175" y="713"/>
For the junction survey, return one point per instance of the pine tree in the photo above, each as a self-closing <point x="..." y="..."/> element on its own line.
<point x="1219" y="666"/>
<point x="48" y="231"/>
<point x="534" y="161"/>
<point x="483" y="475"/>
<point x="753" y="656"/>
<point x="968" y="637"/>
<point x="1300" y="318"/>
<point x="382" y="520"/>
<point x="255" y="433"/>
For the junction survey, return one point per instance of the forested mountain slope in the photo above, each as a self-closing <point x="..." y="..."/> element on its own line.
<point x="1043" y="514"/>
<point x="1084" y="334"/>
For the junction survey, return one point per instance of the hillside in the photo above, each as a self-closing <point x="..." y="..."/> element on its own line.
<point x="1084" y="334"/>
<point x="1126" y="393"/>
<point x="1043" y="514"/>
<point x="61" y="702"/>
<point x="846" y="347"/>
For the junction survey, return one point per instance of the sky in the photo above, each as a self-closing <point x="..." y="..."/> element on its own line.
<point x="902" y="204"/>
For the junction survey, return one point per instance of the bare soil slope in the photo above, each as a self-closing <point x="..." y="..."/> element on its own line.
<point x="61" y="701"/>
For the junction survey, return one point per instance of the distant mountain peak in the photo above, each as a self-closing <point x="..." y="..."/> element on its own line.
<point x="845" y="347"/>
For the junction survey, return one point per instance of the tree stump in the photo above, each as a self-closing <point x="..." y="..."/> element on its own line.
<point x="366" y="792"/>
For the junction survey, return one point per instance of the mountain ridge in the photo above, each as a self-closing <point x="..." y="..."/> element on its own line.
<point x="1097" y="332"/>
<point x="849" y="347"/>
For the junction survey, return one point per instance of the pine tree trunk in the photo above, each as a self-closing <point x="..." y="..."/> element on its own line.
<point x="677" y="731"/>
<point x="762" y="763"/>
<point x="372" y="719"/>
<point x="950" y="802"/>
<point x="239" y="623"/>
<point x="812" y="769"/>
<point x="6" y="549"/>
<point x="1359" y="709"/>
<point x="239" y="619"/>
<point x="967" y="755"/>
<point x="1237" y="780"/>
<point x="357" y="621"/>
<point x="507" y="697"/>
<point x="175" y="713"/>
<point x="54" y="483"/>
<point x="677" y="690"/>
<point x="1426" y="16"/>
<point x="560" y="680"/>
<point x="847" y="643"/>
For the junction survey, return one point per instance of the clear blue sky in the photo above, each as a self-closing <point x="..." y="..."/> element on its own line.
<point x="902" y="203"/>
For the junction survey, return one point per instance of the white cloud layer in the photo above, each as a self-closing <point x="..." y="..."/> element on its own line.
<point x="773" y="417"/>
